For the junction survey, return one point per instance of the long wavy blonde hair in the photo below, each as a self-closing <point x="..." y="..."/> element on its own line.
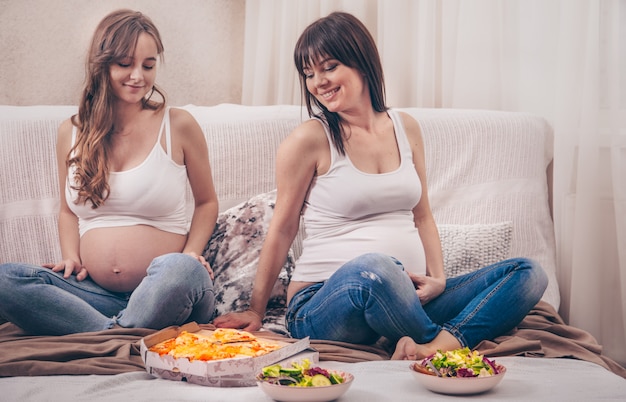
<point x="115" y="38"/>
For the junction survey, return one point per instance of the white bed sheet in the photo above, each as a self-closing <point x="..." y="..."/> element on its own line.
<point x="527" y="379"/>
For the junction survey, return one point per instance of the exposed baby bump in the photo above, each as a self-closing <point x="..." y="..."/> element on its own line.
<point x="117" y="280"/>
<point x="117" y="258"/>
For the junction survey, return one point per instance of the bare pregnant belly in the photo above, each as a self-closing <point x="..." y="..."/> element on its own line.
<point x="117" y="258"/>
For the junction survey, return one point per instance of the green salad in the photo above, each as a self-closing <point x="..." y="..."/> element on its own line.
<point x="299" y="375"/>
<point x="459" y="363"/>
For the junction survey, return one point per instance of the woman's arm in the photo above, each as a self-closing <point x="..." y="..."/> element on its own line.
<point x="297" y="161"/>
<point x="69" y="237"/>
<point x="434" y="282"/>
<point x="195" y="156"/>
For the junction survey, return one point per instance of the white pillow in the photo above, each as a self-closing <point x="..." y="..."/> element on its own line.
<point x="233" y="253"/>
<point x="467" y="248"/>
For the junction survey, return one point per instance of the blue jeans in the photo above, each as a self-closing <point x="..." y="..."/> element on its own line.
<point x="176" y="289"/>
<point x="371" y="296"/>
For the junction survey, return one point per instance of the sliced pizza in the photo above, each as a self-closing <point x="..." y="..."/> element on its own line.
<point x="230" y="335"/>
<point x="221" y="344"/>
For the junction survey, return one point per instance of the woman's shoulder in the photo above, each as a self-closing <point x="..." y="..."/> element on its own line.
<point x="180" y="116"/>
<point x="67" y="124"/>
<point x="407" y="119"/>
<point x="308" y="135"/>
<point x="310" y="128"/>
<point x="64" y="135"/>
<point x="182" y="121"/>
<point x="65" y="128"/>
<point x="409" y="123"/>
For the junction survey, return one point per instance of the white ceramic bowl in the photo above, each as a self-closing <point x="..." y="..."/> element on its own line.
<point x="458" y="385"/>
<point x="307" y="394"/>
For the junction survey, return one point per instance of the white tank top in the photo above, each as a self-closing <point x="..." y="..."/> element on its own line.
<point x="152" y="193"/>
<point x="348" y="213"/>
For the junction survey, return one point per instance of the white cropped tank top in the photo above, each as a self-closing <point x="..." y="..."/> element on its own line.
<point x="348" y="213"/>
<point x="152" y="193"/>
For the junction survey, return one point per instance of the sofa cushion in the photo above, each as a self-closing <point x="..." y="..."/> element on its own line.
<point x="467" y="248"/>
<point x="233" y="253"/>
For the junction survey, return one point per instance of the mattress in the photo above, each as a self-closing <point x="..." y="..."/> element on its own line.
<point x="527" y="378"/>
<point x="545" y="358"/>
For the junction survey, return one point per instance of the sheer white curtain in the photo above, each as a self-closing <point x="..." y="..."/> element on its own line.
<point x="272" y="29"/>
<point x="561" y="59"/>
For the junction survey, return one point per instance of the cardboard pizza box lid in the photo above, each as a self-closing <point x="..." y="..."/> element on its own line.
<point x="233" y="380"/>
<point x="212" y="368"/>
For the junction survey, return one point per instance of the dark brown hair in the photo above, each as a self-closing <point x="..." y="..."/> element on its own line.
<point x="343" y="37"/>
<point x="114" y="39"/>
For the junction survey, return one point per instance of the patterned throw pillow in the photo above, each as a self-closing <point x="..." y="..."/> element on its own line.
<point x="467" y="248"/>
<point x="233" y="253"/>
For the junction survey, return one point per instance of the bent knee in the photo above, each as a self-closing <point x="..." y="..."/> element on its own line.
<point x="374" y="266"/>
<point x="180" y="266"/>
<point x="537" y="277"/>
<point x="540" y="277"/>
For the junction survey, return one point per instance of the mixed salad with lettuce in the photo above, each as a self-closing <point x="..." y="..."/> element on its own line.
<point x="300" y="374"/>
<point x="458" y="363"/>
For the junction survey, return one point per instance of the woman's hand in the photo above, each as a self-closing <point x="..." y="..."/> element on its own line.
<point x="247" y="320"/>
<point x="204" y="263"/>
<point x="427" y="287"/>
<point x="69" y="267"/>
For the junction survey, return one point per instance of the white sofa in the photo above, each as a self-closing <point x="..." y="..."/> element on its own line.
<point x="488" y="175"/>
<point x="484" y="167"/>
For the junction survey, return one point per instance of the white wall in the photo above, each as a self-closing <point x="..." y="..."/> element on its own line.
<point x="43" y="46"/>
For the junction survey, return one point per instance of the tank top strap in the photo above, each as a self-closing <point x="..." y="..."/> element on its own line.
<point x="168" y="132"/>
<point x="334" y="154"/>
<point x="165" y="125"/>
<point x="401" y="138"/>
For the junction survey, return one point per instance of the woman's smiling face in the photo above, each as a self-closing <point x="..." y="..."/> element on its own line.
<point x="132" y="77"/>
<point x="335" y="85"/>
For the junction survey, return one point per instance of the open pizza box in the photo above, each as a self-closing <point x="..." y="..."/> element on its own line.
<point x="234" y="372"/>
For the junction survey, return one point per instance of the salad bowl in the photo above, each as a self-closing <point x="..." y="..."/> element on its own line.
<point x="458" y="372"/>
<point x="326" y="393"/>
<point x="303" y="383"/>
<point x="458" y="385"/>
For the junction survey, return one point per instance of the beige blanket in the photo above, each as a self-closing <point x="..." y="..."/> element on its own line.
<point x="541" y="334"/>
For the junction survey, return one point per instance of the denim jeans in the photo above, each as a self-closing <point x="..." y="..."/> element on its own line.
<point x="176" y="289"/>
<point x="371" y="296"/>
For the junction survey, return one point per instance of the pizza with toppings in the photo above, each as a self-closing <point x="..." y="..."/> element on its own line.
<point x="229" y="335"/>
<point x="223" y="343"/>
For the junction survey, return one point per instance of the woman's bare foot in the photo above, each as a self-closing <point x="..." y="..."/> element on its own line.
<point x="408" y="349"/>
